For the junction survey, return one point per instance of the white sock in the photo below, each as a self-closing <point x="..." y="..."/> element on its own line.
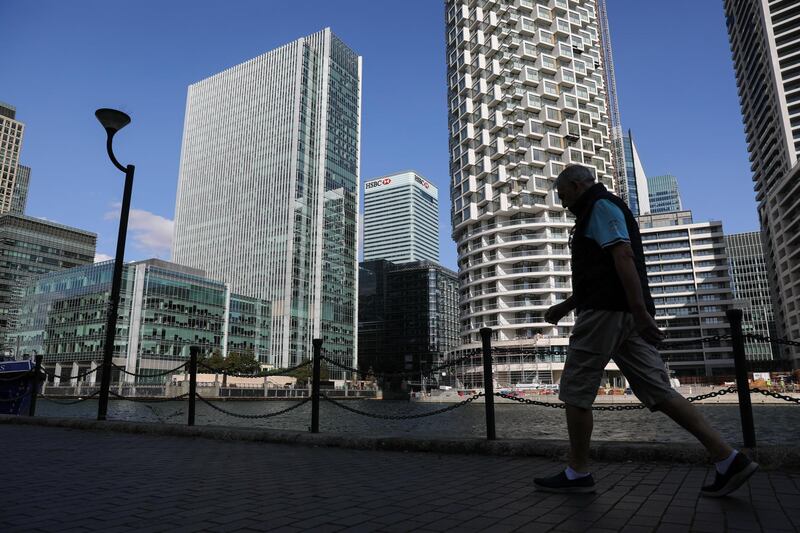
<point x="723" y="465"/>
<point x="572" y="474"/>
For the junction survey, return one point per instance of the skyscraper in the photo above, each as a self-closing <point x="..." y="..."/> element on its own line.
<point x="764" y="36"/>
<point x="526" y="97"/>
<point x="31" y="247"/>
<point x="750" y="285"/>
<point x="19" y="198"/>
<point x="11" y="133"/>
<point x="268" y="190"/>
<point x="401" y="218"/>
<point x="664" y="194"/>
<point x="635" y="179"/>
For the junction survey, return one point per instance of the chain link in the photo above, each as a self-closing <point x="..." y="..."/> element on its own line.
<point x="251" y="417"/>
<point x="764" y="338"/>
<point x="276" y="372"/>
<point x="70" y="402"/>
<point x="403" y="417"/>
<point x="784" y="397"/>
<point x="632" y="407"/>
<point x="665" y="345"/>
<point x="164" y="373"/>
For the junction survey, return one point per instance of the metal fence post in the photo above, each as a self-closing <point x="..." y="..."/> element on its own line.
<point x="315" y="385"/>
<point x="488" y="382"/>
<point x="742" y="387"/>
<point x="35" y="384"/>
<point x="193" y="350"/>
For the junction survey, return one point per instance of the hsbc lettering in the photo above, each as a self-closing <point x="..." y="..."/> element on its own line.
<point x="421" y="181"/>
<point x="378" y="183"/>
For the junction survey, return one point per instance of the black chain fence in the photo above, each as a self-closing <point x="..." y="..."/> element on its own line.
<point x="404" y="417"/>
<point x="252" y="417"/>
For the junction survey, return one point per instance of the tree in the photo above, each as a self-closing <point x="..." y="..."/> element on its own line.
<point x="304" y="374"/>
<point x="242" y="362"/>
<point x="215" y="362"/>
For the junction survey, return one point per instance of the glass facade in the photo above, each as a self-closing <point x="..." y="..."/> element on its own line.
<point x="164" y="309"/>
<point x="31" y="247"/>
<point x="408" y="315"/>
<point x="664" y="195"/>
<point x="19" y="198"/>
<point x="268" y="191"/>
<point x="11" y="134"/>
<point x="751" y="284"/>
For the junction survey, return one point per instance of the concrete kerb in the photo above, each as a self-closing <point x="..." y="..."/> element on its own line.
<point x="770" y="457"/>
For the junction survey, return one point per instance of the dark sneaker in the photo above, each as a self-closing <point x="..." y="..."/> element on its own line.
<point x="561" y="483"/>
<point x="740" y="471"/>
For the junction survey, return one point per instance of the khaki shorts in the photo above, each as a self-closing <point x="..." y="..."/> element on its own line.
<point x="599" y="336"/>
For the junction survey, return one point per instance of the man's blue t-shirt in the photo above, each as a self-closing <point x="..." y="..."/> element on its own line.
<point x="607" y="225"/>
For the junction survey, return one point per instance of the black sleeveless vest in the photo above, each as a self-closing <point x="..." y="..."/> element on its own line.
<point x="595" y="284"/>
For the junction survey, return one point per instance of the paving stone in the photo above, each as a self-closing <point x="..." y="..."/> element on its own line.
<point x="175" y="484"/>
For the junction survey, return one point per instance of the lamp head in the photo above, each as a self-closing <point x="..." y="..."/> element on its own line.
<point x="112" y="120"/>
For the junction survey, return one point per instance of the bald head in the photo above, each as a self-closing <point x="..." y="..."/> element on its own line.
<point x="572" y="182"/>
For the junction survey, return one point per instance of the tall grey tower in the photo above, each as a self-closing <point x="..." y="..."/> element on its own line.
<point x="11" y="133"/>
<point x="527" y="97"/>
<point x="268" y="189"/>
<point x="765" y="36"/>
<point x="401" y="219"/>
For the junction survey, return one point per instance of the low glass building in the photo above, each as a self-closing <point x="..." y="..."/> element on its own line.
<point x="164" y="309"/>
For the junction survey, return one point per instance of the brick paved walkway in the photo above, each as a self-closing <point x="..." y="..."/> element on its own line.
<point x="80" y="480"/>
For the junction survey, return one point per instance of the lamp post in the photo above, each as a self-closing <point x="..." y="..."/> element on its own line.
<point x="113" y="121"/>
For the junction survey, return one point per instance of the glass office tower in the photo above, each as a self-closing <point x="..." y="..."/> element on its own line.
<point x="401" y="218"/>
<point x="268" y="190"/>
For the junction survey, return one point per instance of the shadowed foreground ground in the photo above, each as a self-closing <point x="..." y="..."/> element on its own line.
<point x="59" y="479"/>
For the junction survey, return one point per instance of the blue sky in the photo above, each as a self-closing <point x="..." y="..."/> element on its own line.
<point x="63" y="60"/>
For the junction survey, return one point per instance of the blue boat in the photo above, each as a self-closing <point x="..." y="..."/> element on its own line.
<point x="16" y="384"/>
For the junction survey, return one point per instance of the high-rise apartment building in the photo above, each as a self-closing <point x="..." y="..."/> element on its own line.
<point x="401" y="219"/>
<point x="268" y="190"/>
<point x="689" y="278"/>
<point x="764" y="36"/>
<point x="31" y="247"/>
<point x="636" y="180"/>
<point x="526" y="97"/>
<point x="664" y="194"/>
<point x="11" y="133"/>
<point x="19" y="198"/>
<point x="164" y="309"/>
<point x="751" y="286"/>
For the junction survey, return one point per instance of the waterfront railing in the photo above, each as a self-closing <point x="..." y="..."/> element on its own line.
<point x="486" y="359"/>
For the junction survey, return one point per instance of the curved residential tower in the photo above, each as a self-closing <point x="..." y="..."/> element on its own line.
<point x="526" y="97"/>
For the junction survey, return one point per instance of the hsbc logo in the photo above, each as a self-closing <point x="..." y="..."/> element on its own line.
<point x="378" y="183"/>
<point x="422" y="182"/>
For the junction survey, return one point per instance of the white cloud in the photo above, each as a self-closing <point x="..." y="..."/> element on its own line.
<point x="99" y="258"/>
<point x="151" y="233"/>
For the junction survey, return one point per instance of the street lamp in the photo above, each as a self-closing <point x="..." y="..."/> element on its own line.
<point x="113" y="121"/>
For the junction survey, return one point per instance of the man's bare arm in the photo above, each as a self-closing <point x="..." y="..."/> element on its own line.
<point x="625" y="266"/>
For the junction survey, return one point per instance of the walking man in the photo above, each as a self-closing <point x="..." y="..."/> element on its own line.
<point x="615" y="319"/>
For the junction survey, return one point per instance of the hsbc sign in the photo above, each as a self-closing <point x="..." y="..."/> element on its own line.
<point x="378" y="183"/>
<point x="422" y="182"/>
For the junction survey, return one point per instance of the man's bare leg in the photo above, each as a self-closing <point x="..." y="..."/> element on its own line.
<point x="688" y="417"/>
<point x="579" y="425"/>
